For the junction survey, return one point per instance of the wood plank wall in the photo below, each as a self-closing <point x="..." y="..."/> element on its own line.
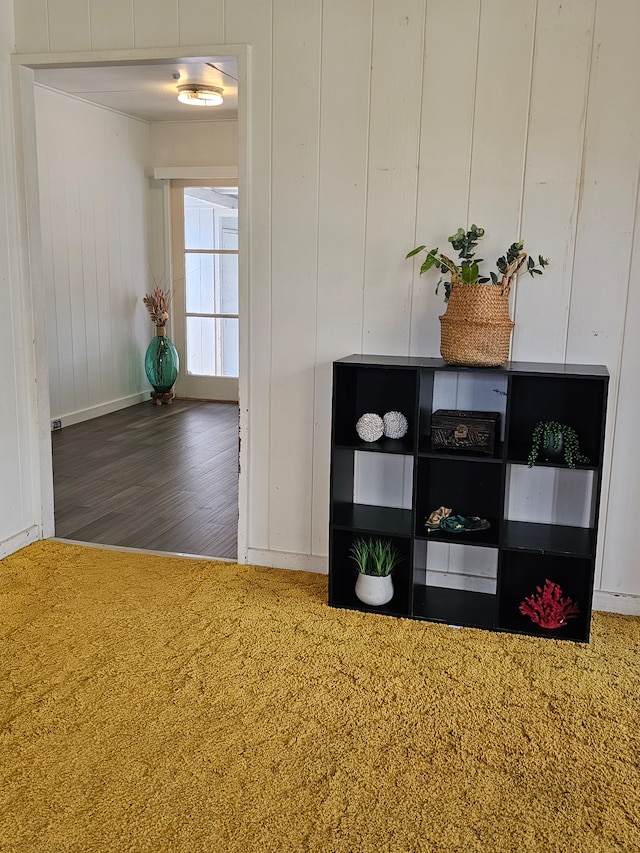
<point x="94" y="215"/>
<point x="376" y="124"/>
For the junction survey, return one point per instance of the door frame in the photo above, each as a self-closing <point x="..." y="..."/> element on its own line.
<point x="22" y="68"/>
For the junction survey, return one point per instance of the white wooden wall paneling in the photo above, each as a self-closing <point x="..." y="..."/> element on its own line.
<point x="32" y="407"/>
<point x="69" y="27"/>
<point x="43" y="106"/>
<point x="180" y="143"/>
<point x="134" y="249"/>
<point x="620" y="558"/>
<point x="111" y="24"/>
<point x="201" y="22"/>
<point x="113" y="212"/>
<point x="605" y="241"/>
<point x="32" y="26"/>
<point x="396" y="82"/>
<point x="94" y="201"/>
<point x="446" y="140"/>
<point x="393" y="144"/>
<point x="294" y="269"/>
<point x="554" y="154"/>
<point x="73" y="284"/>
<point x="155" y="23"/>
<point x="501" y="122"/>
<point x="446" y="130"/>
<point x="60" y="273"/>
<point x="346" y="43"/>
<point x="246" y="22"/>
<point x="540" y="305"/>
<point x="103" y="278"/>
<point x="17" y="416"/>
<point x="93" y="303"/>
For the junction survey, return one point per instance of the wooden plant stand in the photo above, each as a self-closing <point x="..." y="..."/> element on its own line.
<point x="159" y="399"/>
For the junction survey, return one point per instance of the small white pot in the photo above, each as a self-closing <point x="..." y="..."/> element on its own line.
<point x="374" y="590"/>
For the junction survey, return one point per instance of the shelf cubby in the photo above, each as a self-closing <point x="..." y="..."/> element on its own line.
<point x="524" y="575"/>
<point x="467" y="487"/>
<point x="454" y="606"/>
<point x="343" y="579"/>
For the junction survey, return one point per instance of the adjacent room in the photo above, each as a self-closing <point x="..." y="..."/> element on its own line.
<point x="167" y="473"/>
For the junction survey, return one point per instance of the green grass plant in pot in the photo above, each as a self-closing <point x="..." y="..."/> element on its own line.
<point x="375" y="559"/>
<point x="476" y="327"/>
<point x="552" y="441"/>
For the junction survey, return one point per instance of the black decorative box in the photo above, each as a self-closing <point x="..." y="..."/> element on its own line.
<point x="474" y="432"/>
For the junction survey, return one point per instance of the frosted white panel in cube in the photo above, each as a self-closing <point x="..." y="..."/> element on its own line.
<point x="445" y="390"/>
<point x="550" y="495"/>
<point x="461" y="567"/>
<point x="383" y="480"/>
<point x="483" y="392"/>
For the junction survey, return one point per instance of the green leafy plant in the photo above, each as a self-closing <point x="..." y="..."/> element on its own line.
<point x="558" y="437"/>
<point x="373" y="556"/>
<point x="467" y="270"/>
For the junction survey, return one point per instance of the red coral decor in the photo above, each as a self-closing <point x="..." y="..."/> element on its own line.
<point x="548" y="608"/>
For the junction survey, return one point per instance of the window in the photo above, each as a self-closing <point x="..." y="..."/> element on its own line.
<point x="211" y="281"/>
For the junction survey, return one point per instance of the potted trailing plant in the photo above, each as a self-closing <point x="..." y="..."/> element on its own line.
<point x="375" y="559"/>
<point x="476" y="327"/>
<point x="553" y="440"/>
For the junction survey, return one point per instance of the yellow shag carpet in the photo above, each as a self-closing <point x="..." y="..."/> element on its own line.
<point x="173" y="705"/>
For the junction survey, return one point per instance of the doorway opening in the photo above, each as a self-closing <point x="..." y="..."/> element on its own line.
<point x="69" y="415"/>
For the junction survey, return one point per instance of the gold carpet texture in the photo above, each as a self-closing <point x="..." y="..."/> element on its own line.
<point x="172" y="705"/>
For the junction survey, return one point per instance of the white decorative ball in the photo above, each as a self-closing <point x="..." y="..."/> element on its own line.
<point x="370" y="427"/>
<point x="395" y="425"/>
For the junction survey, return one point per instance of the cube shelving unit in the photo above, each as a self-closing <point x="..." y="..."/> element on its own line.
<point x="477" y="578"/>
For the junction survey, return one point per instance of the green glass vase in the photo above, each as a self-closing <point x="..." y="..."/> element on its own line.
<point x="161" y="362"/>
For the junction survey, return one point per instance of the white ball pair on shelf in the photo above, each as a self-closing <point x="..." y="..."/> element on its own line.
<point x="371" y="427"/>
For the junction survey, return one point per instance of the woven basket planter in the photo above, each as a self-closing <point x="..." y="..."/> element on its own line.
<point x="475" y="330"/>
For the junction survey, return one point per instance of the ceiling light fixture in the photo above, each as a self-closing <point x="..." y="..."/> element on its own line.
<point x="200" y="95"/>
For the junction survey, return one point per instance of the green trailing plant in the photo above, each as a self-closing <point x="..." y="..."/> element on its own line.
<point x="558" y="437"/>
<point x="376" y="557"/>
<point x="467" y="269"/>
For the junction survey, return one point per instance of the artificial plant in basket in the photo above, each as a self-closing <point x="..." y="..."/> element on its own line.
<point x="476" y="327"/>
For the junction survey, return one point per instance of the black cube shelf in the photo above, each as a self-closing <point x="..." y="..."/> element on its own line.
<point x="536" y="560"/>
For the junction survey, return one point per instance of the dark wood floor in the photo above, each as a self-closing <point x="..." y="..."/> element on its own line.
<point x="163" y="478"/>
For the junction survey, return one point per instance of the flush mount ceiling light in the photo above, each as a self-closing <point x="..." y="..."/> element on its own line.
<point x="200" y="95"/>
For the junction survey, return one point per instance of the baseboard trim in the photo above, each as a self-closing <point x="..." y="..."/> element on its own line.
<point x="19" y="540"/>
<point x="102" y="409"/>
<point x="609" y="602"/>
<point x="287" y="560"/>
<point x="127" y="549"/>
<point x="615" y="602"/>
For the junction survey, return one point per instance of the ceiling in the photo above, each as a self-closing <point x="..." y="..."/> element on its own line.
<point x="149" y="91"/>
